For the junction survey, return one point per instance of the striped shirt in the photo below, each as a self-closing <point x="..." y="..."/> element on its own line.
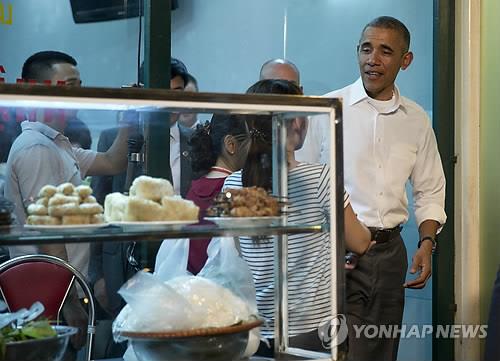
<point x="308" y="254"/>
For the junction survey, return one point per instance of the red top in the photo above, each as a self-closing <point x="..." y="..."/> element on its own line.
<point x="202" y="193"/>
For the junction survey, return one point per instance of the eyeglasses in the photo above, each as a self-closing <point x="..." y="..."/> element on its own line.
<point x="131" y="259"/>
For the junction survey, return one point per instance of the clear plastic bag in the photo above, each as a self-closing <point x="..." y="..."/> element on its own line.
<point x="225" y="267"/>
<point x="171" y="299"/>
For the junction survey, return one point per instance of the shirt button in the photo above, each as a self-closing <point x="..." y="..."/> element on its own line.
<point x="379" y="140"/>
<point x="380" y="166"/>
<point x="381" y="194"/>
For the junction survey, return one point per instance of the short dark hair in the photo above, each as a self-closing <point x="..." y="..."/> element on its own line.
<point x="275" y="86"/>
<point x="177" y="68"/>
<point x="37" y="66"/>
<point x="78" y="132"/>
<point x="388" y="22"/>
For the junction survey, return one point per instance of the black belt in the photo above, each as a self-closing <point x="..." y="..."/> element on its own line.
<point x="382" y="235"/>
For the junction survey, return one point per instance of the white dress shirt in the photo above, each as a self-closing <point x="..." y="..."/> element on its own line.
<point x="175" y="156"/>
<point x="383" y="149"/>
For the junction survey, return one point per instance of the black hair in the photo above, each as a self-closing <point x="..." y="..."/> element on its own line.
<point x="78" y="132"/>
<point x="177" y="68"/>
<point x="258" y="168"/>
<point x="207" y="141"/>
<point x="388" y="22"/>
<point x="39" y="64"/>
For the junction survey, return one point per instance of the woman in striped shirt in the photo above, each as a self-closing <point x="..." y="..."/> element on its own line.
<point x="308" y="254"/>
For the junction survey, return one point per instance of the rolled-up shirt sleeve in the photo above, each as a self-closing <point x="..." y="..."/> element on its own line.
<point x="428" y="181"/>
<point x="85" y="159"/>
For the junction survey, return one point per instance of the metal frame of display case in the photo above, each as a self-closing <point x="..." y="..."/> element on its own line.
<point x="280" y="107"/>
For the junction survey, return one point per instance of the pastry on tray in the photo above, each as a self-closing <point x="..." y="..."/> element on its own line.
<point x="65" y="205"/>
<point x="151" y="200"/>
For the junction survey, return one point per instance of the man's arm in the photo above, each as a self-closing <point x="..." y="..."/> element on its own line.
<point x="114" y="160"/>
<point x="422" y="260"/>
<point x="428" y="181"/>
<point x="103" y="185"/>
<point x="429" y="192"/>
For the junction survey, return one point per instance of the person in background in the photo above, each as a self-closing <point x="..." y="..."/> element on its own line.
<point x="189" y="119"/>
<point x="9" y="131"/>
<point x="179" y="149"/>
<point x="78" y="134"/>
<point x="309" y="254"/>
<point x="218" y="149"/>
<point x="113" y="263"/>
<point x="43" y="155"/>
<point x="286" y="70"/>
<point x="388" y="140"/>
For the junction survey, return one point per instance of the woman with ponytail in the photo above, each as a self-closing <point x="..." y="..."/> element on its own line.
<point x="218" y="149"/>
<point x="308" y="254"/>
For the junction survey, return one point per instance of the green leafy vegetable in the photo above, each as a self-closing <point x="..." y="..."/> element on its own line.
<point x="30" y="331"/>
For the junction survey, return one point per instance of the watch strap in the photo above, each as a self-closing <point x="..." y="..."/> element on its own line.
<point x="432" y="239"/>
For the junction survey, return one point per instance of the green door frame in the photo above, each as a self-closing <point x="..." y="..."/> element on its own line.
<point x="443" y="290"/>
<point x="157" y="39"/>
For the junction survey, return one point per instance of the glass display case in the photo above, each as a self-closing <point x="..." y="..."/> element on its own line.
<point x="152" y="110"/>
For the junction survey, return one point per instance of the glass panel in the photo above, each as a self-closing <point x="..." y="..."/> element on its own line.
<point x="51" y="110"/>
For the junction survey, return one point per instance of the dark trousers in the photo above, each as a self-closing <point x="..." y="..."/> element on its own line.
<point x="375" y="296"/>
<point x="492" y="349"/>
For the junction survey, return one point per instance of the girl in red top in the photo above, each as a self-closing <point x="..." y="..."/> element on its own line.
<point x="218" y="149"/>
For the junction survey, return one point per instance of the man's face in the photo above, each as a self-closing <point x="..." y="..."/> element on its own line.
<point x="381" y="53"/>
<point x="190" y="87"/>
<point x="67" y="73"/>
<point x="177" y="83"/>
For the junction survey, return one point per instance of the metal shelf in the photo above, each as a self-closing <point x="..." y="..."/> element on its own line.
<point x="21" y="236"/>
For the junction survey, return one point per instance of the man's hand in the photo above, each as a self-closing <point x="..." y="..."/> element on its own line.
<point x="421" y="262"/>
<point x="351" y="258"/>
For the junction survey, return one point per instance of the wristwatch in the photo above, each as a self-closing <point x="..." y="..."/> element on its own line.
<point x="434" y="243"/>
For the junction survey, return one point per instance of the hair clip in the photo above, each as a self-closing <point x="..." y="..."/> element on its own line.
<point x="205" y="127"/>
<point x="257" y="134"/>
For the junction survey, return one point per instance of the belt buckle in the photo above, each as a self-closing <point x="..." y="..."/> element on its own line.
<point x="377" y="233"/>
<point x="382" y="236"/>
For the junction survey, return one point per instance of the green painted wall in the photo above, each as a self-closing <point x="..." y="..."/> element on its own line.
<point x="490" y="150"/>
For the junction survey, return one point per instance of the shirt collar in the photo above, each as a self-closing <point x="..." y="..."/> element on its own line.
<point x="41" y="128"/>
<point x="358" y="94"/>
<point x="174" y="132"/>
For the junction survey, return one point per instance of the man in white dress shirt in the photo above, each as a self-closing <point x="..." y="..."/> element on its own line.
<point x="388" y="140"/>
